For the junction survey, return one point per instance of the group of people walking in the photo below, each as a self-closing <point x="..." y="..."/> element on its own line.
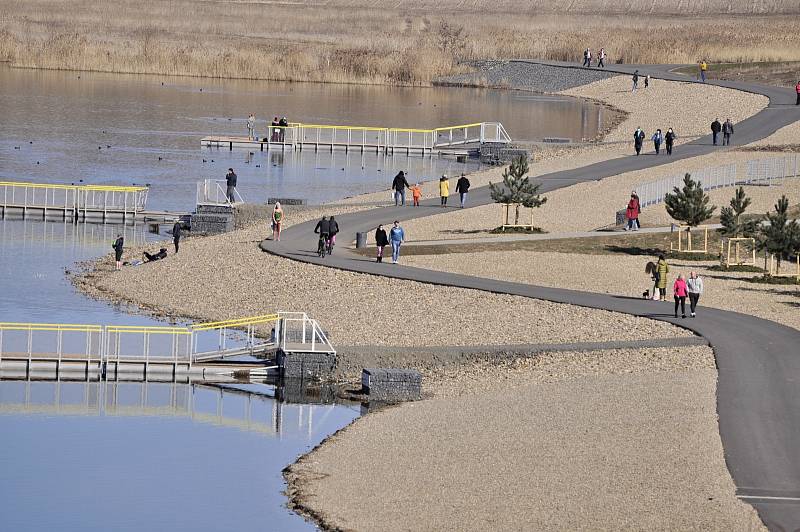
<point x="658" y="138"/>
<point x="601" y="58"/>
<point x="681" y="288"/>
<point x="725" y="128"/>
<point x="400" y="184"/>
<point x="635" y="79"/>
<point x="396" y="237"/>
<point x="276" y="132"/>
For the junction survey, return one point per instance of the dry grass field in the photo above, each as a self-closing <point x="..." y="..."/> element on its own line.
<point x="362" y="41"/>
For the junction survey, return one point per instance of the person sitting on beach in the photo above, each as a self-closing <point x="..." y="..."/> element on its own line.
<point x="162" y="254"/>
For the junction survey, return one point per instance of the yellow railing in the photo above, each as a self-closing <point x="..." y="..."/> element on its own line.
<point x="135" y="329"/>
<point x="240" y="322"/>
<point x="12" y="326"/>
<point x="95" y="188"/>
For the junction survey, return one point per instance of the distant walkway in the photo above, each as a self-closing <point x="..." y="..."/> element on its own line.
<point x="758" y="360"/>
<point x="497" y="238"/>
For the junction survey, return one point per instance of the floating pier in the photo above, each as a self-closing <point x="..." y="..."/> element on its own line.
<point x="134" y="352"/>
<point x="297" y="136"/>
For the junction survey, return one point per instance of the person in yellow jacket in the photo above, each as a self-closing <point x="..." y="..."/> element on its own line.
<point x="703" y="69"/>
<point x="444" y="189"/>
<point x="662" y="269"/>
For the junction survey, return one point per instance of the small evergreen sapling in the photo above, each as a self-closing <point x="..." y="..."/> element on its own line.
<point x="689" y="204"/>
<point x="517" y="187"/>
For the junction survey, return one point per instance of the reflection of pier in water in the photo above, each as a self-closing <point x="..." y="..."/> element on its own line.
<point x="71" y="236"/>
<point x="272" y="410"/>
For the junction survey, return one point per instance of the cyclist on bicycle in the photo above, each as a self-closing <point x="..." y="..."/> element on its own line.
<point x="324" y="229"/>
<point x="333" y="225"/>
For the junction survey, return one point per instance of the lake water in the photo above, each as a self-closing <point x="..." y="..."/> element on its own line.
<point x="58" y="126"/>
<point x="133" y="456"/>
<point x="158" y="456"/>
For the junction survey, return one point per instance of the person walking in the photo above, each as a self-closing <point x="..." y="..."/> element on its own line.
<point x="797" y="90"/>
<point x="727" y="132"/>
<point x="462" y="187"/>
<point x="416" y="194"/>
<point x="632" y="213"/>
<point x="716" y="127"/>
<point x="635" y="80"/>
<point x="277" y="220"/>
<point x="399" y="185"/>
<point x="381" y="241"/>
<point x="647" y="81"/>
<point x="638" y="140"/>
<point x="662" y="269"/>
<point x="230" y="180"/>
<point x="679" y="293"/>
<point x="397" y="236"/>
<point x="694" y="285"/>
<point x="118" y="246"/>
<point x="251" y="127"/>
<point x="176" y="234"/>
<point x="669" y="140"/>
<point x="601" y="58"/>
<point x="444" y="189"/>
<point x="585" y="57"/>
<point x="703" y="68"/>
<point x="657" y="139"/>
<point x="589" y="57"/>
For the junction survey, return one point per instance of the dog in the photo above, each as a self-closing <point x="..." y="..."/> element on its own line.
<point x="646" y="294"/>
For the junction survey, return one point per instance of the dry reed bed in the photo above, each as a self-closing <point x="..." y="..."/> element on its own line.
<point x="365" y="43"/>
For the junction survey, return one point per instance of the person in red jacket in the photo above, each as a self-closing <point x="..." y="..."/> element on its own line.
<point x="797" y="89"/>
<point x="679" y="291"/>
<point x="632" y="213"/>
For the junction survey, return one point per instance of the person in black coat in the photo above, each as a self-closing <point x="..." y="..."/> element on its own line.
<point x="381" y="240"/>
<point x="118" y="245"/>
<point x="669" y="139"/>
<point x="176" y="234"/>
<point x="716" y="127"/>
<point x="399" y="185"/>
<point x="462" y="187"/>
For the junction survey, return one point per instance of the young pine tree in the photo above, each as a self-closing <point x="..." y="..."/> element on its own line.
<point x="780" y="236"/>
<point x="517" y="188"/>
<point x="689" y="204"/>
<point x="731" y="217"/>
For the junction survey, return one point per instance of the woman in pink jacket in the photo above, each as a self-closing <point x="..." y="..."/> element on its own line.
<point x="680" y="292"/>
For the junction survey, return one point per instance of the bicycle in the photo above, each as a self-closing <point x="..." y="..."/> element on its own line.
<point x="323" y="245"/>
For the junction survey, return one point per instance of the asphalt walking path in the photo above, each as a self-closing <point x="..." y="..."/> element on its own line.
<point x="758" y="396"/>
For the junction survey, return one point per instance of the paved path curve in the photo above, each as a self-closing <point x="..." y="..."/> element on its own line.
<point x="758" y="396"/>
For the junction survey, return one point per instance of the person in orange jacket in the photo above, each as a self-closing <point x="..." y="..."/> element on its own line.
<point x="416" y="194"/>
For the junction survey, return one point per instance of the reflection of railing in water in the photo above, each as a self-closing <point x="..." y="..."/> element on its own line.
<point x="202" y="403"/>
<point x="69" y="235"/>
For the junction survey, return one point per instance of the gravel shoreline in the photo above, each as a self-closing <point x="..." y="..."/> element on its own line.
<point x="603" y="440"/>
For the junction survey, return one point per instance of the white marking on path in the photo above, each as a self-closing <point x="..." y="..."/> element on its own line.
<point x="769" y="498"/>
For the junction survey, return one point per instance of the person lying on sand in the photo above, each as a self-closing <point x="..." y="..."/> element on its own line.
<point x="162" y="254"/>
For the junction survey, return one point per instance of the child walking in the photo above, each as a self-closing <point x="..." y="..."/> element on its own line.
<point x="416" y="194"/>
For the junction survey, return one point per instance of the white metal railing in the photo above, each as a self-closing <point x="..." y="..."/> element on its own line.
<point x="759" y="171"/>
<point x="363" y="137"/>
<point x="73" y="198"/>
<point x="215" y="192"/>
<point x="292" y="332"/>
<point x="299" y="333"/>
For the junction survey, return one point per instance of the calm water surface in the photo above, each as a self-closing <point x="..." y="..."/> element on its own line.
<point x="63" y="122"/>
